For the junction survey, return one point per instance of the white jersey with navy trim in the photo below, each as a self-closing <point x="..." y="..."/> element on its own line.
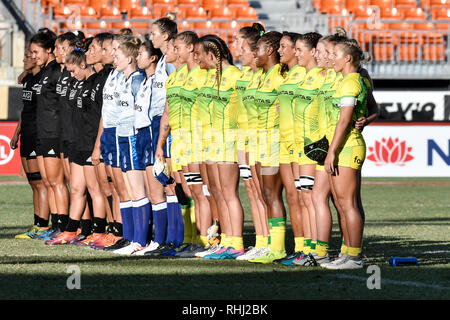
<point x="110" y="105"/>
<point x="142" y="104"/>
<point x="127" y="90"/>
<point x="162" y="72"/>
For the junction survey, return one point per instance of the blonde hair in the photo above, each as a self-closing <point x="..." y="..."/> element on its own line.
<point x="130" y="47"/>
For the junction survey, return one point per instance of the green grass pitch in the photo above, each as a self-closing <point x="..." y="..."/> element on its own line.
<point x="404" y="217"/>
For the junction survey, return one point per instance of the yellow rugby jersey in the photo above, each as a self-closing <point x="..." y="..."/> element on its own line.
<point x="195" y="79"/>
<point x="173" y="86"/>
<point x="241" y="86"/>
<point x="205" y="95"/>
<point x="286" y="94"/>
<point x="225" y="100"/>
<point x="350" y="90"/>
<point x="248" y="99"/>
<point x="306" y="108"/>
<point x="324" y="99"/>
<point x="266" y="99"/>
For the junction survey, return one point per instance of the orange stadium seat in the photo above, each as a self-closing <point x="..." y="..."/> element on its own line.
<point x="406" y="3"/>
<point x="126" y="5"/>
<point x="75" y="2"/>
<point x="237" y="3"/>
<point x="139" y="13"/>
<point x="391" y="14"/>
<point x="87" y="13"/>
<point x="413" y="13"/>
<point x="326" y="6"/>
<point x="62" y="12"/>
<point x="197" y="13"/>
<point x="440" y="13"/>
<point x="433" y="52"/>
<point x="383" y="52"/>
<point x="428" y="26"/>
<point x="110" y="13"/>
<point x="164" y="3"/>
<point x="401" y="26"/>
<point x="435" y="3"/>
<point x="98" y="4"/>
<point x="248" y="13"/>
<point x="433" y="38"/>
<point x="186" y="25"/>
<point x="382" y="3"/>
<point x="221" y="13"/>
<point x="98" y="25"/>
<point x="363" y="13"/>
<point x="408" y="53"/>
<point x="208" y="4"/>
<point x="50" y="3"/>
<point x="188" y="3"/>
<point x="352" y="5"/>
<point x="162" y="11"/>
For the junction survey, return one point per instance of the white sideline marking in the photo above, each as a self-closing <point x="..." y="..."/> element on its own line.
<point x="395" y="282"/>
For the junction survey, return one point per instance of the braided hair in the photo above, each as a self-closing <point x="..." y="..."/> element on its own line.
<point x="272" y="40"/>
<point x="214" y="44"/>
<point x="352" y="48"/>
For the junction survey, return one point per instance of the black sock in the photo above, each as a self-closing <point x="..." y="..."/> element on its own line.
<point x="99" y="225"/>
<point x="63" y="219"/>
<point x="110" y="227"/>
<point x="181" y="196"/>
<point x="72" y="225"/>
<point x="86" y="226"/>
<point x="36" y="219"/>
<point x="54" y="219"/>
<point x="118" y="229"/>
<point x="42" y="223"/>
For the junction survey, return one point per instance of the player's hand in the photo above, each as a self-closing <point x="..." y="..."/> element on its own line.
<point x="21" y="77"/>
<point x="14" y="141"/>
<point x="159" y="154"/>
<point x="95" y="157"/>
<point x="360" y="123"/>
<point x="329" y="163"/>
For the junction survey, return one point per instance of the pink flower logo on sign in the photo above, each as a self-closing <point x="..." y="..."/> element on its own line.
<point x="390" y="151"/>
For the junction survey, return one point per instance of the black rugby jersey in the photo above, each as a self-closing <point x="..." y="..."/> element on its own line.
<point x="48" y="105"/>
<point x="63" y="86"/>
<point x="29" y="99"/>
<point x="82" y="114"/>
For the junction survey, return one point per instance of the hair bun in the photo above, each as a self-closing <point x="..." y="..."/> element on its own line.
<point x="341" y="32"/>
<point x="258" y="27"/>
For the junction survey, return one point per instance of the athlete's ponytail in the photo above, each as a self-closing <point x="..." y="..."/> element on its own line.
<point x="130" y="47"/>
<point x="252" y="34"/>
<point x="352" y="48"/>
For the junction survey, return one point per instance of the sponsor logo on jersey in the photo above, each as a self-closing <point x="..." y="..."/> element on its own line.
<point x="27" y="95"/>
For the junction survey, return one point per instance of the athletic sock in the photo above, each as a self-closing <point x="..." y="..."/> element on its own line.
<point x="126" y="211"/>
<point x="72" y="225"/>
<point x="313" y="245"/>
<point x="99" y="225"/>
<point x="86" y="226"/>
<point x="42" y="223"/>
<point x="354" y="252"/>
<point x="172" y="212"/>
<point x="118" y="229"/>
<point x="194" y="233"/>
<point x="141" y="220"/>
<point x="179" y="225"/>
<point x="299" y="242"/>
<point x="259" y="241"/>
<point x="307" y="246"/>
<point x="344" y="248"/>
<point x="63" y="219"/>
<point x="237" y="243"/>
<point x="224" y="240"/>
<point x="160" y="221"/>
<point x="36" y="219"/>
<point x="54" y="219"/>
<point x="187" y="230"/>
<point x="277" y="229"/>
<point x="322" y="248"/>
<point x="203" y="240"/>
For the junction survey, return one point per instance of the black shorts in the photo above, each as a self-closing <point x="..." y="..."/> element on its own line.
<point x="64" y="147"/>
<point x="28" y="147"/>
<point x="81" y="158"/>
<point x="48" y="148"/>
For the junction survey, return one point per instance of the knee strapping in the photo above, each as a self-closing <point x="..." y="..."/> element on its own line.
<point x="306" y="182"/>
<point x="34" y="176"/>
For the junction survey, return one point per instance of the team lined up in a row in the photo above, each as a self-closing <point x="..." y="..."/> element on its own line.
<point x="180" y="97"/>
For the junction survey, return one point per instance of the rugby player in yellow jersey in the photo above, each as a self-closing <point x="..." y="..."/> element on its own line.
<point x="288" y="165"/>
<point x="192" y="134"/>
<point x="267" y="103"/>
<point x="347" y="148"/>
<point x="305" y="132"/>
<point x="224" y="126"/>
<point x="247" y="86"/>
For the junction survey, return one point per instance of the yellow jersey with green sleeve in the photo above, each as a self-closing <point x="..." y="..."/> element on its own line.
<point x="351" y="92"/>
<point x="286" y="94"/>
<point x="248" y="99"/>
<point x="241" y="86"/>
<point x="267" y="103"/>
<point x="204" y="114"/>
<point x="191" y="128"/>
<point x="306" y="111"/>
<point x="173" y="86"/>
<point x="225" y="115"/>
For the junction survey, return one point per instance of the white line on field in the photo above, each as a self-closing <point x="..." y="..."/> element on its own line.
<point x="395" y="282"/>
